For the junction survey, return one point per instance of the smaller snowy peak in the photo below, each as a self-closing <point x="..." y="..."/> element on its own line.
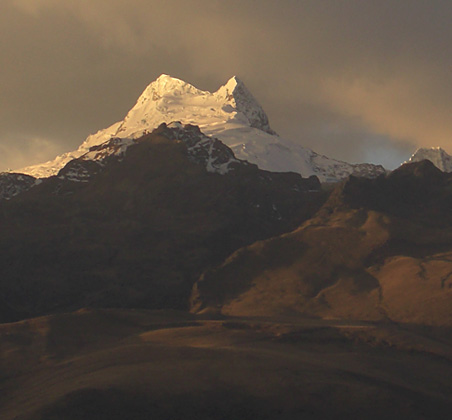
<point x="436" y="155"/>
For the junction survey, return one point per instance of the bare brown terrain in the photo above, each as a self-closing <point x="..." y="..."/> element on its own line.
<point x="141" y="231"/>
<point x="378" y="250"/>
<point x="126" y="364"/>
<point x="347" y="316"/>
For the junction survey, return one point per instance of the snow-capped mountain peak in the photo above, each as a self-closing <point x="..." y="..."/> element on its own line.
<point x="230" y="110"/>
<point x="169" y="99"/>
<point x="166" y="85"/>
<point x="436" y="155"/>
<point x="230" y="114"/>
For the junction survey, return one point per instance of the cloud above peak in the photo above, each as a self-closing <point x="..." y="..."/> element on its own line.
<point x="327" y="73"/>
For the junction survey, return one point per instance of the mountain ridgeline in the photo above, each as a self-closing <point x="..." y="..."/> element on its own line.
<point x="231" y="114"/>
<point x="378" y="250"/>
<point x="137" y="229"/>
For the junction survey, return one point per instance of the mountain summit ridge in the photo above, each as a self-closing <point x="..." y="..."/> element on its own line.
<point x="230" y="114"/>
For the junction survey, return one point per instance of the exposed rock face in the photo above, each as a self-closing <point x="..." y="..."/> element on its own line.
<point x="12" y="184"/>
<point x="211" y="153"/>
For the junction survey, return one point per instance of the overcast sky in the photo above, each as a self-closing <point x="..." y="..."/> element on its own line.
<point x="355" y="80"/>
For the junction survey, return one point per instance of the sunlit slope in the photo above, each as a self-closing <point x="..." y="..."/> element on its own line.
<point x="378" y="250"/>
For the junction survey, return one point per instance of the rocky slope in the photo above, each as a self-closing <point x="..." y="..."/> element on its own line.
<point x="230" y="114"/>
<point x="209" y="152"/>
<point x="144" y="227"/>
<point x="12" y="184"/>
<point x="378" y="250"/>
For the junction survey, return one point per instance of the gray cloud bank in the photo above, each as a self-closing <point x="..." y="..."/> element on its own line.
<point x="359" y="81"/>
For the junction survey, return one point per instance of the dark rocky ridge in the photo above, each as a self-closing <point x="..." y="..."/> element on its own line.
<point x="12" y="184"/>
<point x="143" y="228"/>
<point x="415" y="190"/>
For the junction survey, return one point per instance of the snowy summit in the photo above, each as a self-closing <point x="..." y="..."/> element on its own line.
<point x="231" y="114"/>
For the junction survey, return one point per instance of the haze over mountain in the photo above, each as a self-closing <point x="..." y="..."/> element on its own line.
<point x="358" y="82"/>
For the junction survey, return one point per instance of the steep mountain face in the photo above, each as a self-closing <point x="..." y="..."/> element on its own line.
<point x="230" y="114"/>
<point x="377" y="250"/>
<point x="436" y="155"/>
<point x="144" y="227"/>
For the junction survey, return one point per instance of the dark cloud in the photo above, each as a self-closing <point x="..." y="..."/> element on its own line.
<point x="360" y="81"/>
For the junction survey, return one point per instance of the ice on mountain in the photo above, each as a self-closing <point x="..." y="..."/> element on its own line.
<point x="231" y="114"/>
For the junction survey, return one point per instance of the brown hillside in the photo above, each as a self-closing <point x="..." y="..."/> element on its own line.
<point x="378" y="250"/>
<point x="140" y="232"/>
